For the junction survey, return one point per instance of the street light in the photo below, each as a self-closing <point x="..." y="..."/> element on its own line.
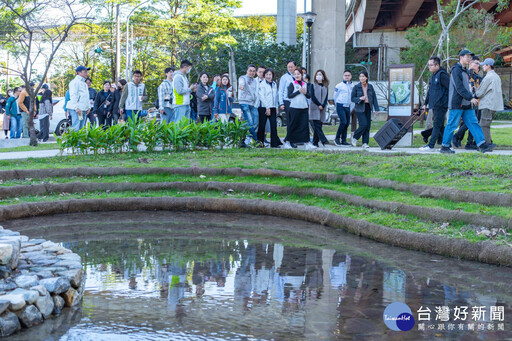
<point x="128" y="56"/>
<point x="309" y="19"/>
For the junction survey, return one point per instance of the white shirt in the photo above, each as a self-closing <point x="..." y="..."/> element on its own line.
<point x="78" y="94"/>
<point x="343" y="94"/>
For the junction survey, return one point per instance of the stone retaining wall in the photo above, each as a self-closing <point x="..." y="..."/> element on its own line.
<point x="38" y="278"/>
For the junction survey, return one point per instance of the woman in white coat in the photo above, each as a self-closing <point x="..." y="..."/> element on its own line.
<point x="267" y="96"/>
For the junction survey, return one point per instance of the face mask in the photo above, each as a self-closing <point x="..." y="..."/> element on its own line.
<point x="319" y="78"/>
<point x="188" y="71"/>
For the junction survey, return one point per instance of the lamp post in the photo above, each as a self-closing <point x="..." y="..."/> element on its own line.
<point x="128" y="43"/>
<point x="309" y="19"/>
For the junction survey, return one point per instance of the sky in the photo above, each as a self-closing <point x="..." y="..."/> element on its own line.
<point x="267" y="7"/>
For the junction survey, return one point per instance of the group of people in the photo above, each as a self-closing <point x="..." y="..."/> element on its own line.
<point x="16" y="110"/>
<point x="471" y="100"/>
<point x="260" y="97"/>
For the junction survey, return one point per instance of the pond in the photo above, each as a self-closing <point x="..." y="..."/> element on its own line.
<point x="206" y="276"/>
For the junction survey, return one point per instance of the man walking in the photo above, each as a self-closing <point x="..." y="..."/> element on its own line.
<point x="460" y="100"/>
<point x="133" y="96"/>
<point x="284" y="101"/>
<point x="12" y="110"/>
<point x="247" y="97"/>
<point x="474" y="82"/>
<point x="23" y="105"/>
<point x="182" y="91"/>
<point x="79" y="105"/>
<point x="165" y="97"/>
<point x="491" y="98"/>
<point x="344" y="104"/>
<point x="437" y="100"/>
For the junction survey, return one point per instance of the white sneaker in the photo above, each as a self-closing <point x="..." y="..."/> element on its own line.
<point x="366" y="146"/>
<point x="426" y="149"/>
<point x="353" y="141"/>
<point x="286" y="145"/>
<point x="310" y="146"/>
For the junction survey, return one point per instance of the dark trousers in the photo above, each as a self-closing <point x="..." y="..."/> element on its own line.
<point x="438" y="128"/>
<point x="91" y="118"/>
<point x="365" y="123"/>
<point x="287" y="115"/>
<point x="344" y="116"/>
<point x="274" y="139"/>
<point x="44" y="129"/>
<point x="318" y="133"/>
<point x="115" y="118"/>
<point x="203" y="118"/>
<point x="104" y="120"/>
<point x="463" y="128"/>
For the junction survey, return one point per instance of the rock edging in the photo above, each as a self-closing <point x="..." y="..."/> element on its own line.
<point x="38" y="278"/>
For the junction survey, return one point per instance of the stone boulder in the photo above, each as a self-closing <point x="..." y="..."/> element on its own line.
<point x="72" y="297"/>
<point x="58" y="303"/>
<point x="9" y="324"/>
<point x="6" y="252"/>
<point x="55" y="285"/>
<point x="15" y="241"/>
<point x="29" y="316"/>
<point x="7" y="284"/>
<point x="30" y="296"/>
<point x="45" y="304"/>
<point x="26" y="281"/>
<point x="17" y="301"/>
<point x="74" y="276"/>
<point x="4" y="304"/>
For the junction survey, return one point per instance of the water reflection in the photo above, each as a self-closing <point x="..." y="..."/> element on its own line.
<point x="221" y="286"/>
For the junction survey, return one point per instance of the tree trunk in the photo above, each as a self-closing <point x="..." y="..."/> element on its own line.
<point x="31" y="114"/>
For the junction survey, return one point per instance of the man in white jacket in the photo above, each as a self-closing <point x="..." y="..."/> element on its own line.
<point x="344" y="105"/>
<point x="491" y="98"/>
<point x="79" y="104"/>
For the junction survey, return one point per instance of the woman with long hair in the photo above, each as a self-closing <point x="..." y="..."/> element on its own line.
<point x="269" y="101"/>
<point x="298" y="131"/>
<point x="45" y="113"/>
<point x="222" y="102"/>
<point x="365" y="98"/>
<point x="117" y="99"/>
<point x="317" y="106"/>
<point x="205" y="96"/>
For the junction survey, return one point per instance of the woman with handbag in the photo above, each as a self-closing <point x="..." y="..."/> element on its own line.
<point x="103" y="104"/>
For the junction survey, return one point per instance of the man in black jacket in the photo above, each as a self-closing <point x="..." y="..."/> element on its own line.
<point x="474" y="82"/>
<point x="437" y="100"/>
<point x="460" y="100"/>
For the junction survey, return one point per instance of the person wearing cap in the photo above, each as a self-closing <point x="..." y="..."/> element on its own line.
<point x="79" y="104"/>
<point x="474" y="82"/>
<point x="491" y="98"/>
<point x="181" y="91"/>
<point x="23" y="105"/>
<point x="45" y="113"/>
<point x="460" y="99"/>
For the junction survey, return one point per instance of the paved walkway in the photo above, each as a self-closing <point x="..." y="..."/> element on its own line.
<point x="330" y="148"/>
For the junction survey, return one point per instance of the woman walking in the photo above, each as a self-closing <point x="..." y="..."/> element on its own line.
<point x="267" y="97"/>
<point x="298" y="131"/>
<point x="103" y="104"/>
<point x="120" y="86"/>
<point x="45" y="113"/>
<point x="205" y="96"/>
<point x="364" y="97"/>
<point x="317" y="106"/>
<point x="222" y="102"/>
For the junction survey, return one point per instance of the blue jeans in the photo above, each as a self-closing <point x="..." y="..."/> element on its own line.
<point x="180" y="112"/>
<point x="469" y="117"/>
<point x="77" y="124"/>
<point x="16" y="127"/>
<point x="251" y="116"/>
<point x="168" y="115"/>
<point x="344" y="116"/>
<point x="133" y="114"/>
<point x="193" y="115"/>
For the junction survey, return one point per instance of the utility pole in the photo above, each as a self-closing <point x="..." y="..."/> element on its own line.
<point x="118" y="44"/>
<point x="7" y="73"/>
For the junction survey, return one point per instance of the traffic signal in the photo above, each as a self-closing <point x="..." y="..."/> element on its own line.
<point x="366" y="63"/>
<point x="98" y="50"/>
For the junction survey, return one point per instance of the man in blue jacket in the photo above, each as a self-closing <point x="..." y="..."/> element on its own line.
<point x="459" y="102"/>
<point x="437" y="100"/>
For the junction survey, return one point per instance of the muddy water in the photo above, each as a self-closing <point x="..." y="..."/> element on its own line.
<point x="203" y="276"/>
